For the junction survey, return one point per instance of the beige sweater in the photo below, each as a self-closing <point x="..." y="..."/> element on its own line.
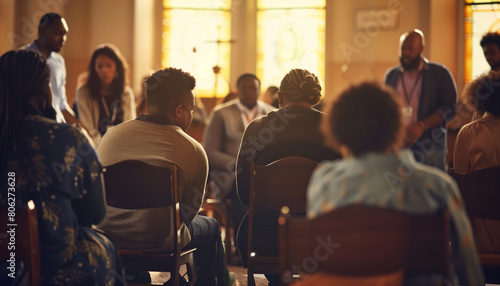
<point x="160" y="145"/>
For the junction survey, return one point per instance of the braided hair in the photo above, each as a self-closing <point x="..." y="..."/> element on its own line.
<point x="24" y="90"/>
<point x="301" y="85"/>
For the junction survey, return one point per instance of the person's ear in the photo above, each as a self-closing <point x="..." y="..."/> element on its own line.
<point x="281" y="99"/>
<point x="178" y="111"/>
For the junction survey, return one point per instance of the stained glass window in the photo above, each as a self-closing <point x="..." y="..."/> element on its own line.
<point x="481" y="17"/>
<point x="290" y="34"/>
<point x="195" y="37"/>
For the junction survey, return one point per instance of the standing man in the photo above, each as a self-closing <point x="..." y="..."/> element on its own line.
<point x="223" y="137"/>
<point x="428" y="94"/>
<point x="159" y="138"/>
<point x="52" y="31"/>
<point x="490" y="43"/>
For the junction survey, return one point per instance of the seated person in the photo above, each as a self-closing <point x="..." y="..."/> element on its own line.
<point x="477" y="146"/>
<point x="56" y="166"/>
<point x="105" y="100"/>
<point x="222" y="139"/>
<point x="159" y="138"/>
<point x="292" y="130"/>
<point x="366" y="127"/>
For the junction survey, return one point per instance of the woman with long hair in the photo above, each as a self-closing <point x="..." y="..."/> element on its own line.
<point x="105" y="100"/>
<point x="55" y="166"/>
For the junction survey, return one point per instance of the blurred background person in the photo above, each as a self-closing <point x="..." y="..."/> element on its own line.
<point x="105" y="100"/>
<point x="271" y="96"/>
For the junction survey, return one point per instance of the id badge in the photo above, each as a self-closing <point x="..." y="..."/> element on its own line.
<point x="408" y="111"/>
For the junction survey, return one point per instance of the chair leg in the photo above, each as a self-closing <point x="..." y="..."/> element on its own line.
<point x="190" y="271"/>
<point x="228" y="240"/>
<point x="250" y="278"/>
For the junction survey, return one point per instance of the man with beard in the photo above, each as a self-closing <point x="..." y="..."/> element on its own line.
<point x="428" y="94"/>
<point x="490" y="43"/>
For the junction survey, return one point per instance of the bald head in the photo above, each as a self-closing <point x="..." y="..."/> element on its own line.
<point x="411" y="45"/>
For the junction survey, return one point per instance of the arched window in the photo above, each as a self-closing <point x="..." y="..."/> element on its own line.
<point x="290" y="34"/>
<point x="194" y="37"/>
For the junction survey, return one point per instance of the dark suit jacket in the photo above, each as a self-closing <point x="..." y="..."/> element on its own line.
<point x="222" y="140"/>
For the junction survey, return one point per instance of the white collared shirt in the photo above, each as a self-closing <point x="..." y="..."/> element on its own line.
<point x="247" y="115"/>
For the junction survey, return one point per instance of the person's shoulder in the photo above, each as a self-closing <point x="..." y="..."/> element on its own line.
<point x="57" y="56"/>
<point x="83" y="91"/>
<point x="431" y="177"/>
<point x="391" y="71"/>
<point x="470" y="127"/>
<point x="187" y="144"/>
<point x="31" y="46"/>
<point x="437" y="67"/>
<point x="127" y="90"/>
<point x="70" y="132"/>
<point x="225" y="106"/>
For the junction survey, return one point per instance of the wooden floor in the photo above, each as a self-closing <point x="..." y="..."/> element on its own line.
<point x="158" y="278"/>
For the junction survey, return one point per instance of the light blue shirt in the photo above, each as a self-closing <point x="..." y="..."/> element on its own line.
<point x="398" y="182"/>
<point x="57" y="80"/>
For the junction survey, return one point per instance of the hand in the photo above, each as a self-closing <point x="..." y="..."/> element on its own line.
<point x="413" y="132"/>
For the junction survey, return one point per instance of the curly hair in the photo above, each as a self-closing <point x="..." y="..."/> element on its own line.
<point x="483" y="93"/>
<point x="167" y="87"/>
<point x="301" y="85"/>
<point x="490" y="38"/>
<point x="366" y="118"/>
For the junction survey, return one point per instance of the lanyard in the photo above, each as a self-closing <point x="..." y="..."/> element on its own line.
<point x="412" y="89"/>
<point x="107" y="110"/>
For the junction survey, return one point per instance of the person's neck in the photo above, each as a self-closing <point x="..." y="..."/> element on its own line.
<point x="250" y="107"/>
<point x="297" y="103"/>
<point x="106" y="89"/>
<point x="161" y="117"/>
<point x="45" y="52"/>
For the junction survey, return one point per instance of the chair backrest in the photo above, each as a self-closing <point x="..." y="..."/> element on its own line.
<point x="133" y="184"/>
<point x="282" y="182"/>
<point x="481" y="192"/>
<point x="23" y="231"/>
<point x="360" y="240"/>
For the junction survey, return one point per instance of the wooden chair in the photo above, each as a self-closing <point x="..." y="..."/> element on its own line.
<point x="134" y="184"/>
<point x="481" y="194"/>
<point x="360" y="241"/>
<point x="282" y="182"/>
<point x="27" y="243"/>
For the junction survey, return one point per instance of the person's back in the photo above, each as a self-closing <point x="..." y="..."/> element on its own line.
<point x="160" y="145"/>
<point x="477" y="145"/>
<point x="56" y="166"/>
<point x="293" y="130"/>
<point x="375" y="172"/>
<point x="159" y="138"/>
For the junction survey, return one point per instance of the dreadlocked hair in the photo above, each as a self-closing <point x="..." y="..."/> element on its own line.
<point x="24" y="82"/>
